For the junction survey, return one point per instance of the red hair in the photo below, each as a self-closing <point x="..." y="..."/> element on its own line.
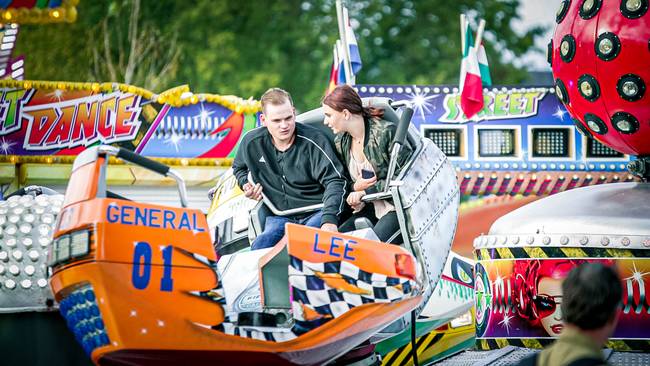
<point x="345" y="97"/>
<point x="527" y="275"/>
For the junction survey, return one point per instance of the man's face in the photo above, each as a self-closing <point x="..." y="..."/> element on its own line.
<point x="280" y="120"/>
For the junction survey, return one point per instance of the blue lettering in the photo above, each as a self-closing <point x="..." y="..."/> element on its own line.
<point x="112" y="217"/>
<point x="127" y="212"/>
<point x="153" y="215"/>
<point x="197" y="229"/>
<point x="140" y="216"/>
<point x="316" y="249"/>
<point x="185" y="222"/>
<point x="334" y="246"/>
<point x="166" y="282"/>
<point x="141" y="257"/>
<point x="349" y="249"/>
<point x="168" y="218"/>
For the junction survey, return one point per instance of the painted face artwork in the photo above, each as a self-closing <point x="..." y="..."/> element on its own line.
<point x="547" y="302"/>
<point x="522" y="298"/>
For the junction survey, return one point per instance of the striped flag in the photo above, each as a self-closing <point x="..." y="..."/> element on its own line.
<point x="353" y="47"/>
<point x="341" y="77"/>
<point x="471" y="88"/>
<point x="334" y="71"/>
<point x="483" y="66"/>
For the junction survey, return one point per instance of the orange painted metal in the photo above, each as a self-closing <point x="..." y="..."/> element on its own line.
<point x="149" y="325"/>
<point x="318" y="246"/>
<point x="83" y="183"/>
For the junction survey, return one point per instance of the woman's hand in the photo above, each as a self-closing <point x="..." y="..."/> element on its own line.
<point x="354" y="200"/>
<point x="363" y="184"/>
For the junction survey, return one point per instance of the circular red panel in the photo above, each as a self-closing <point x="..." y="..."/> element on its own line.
<point x="608" y="74"/>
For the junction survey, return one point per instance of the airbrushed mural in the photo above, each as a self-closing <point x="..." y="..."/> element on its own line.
<point x="521" y="298"/>
<point x="65" y="118"/>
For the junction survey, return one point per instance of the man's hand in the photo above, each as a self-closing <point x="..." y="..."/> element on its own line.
<point x="329" y="227"/>
<point x="253" y="191"/>
<point x="362" y="184"/>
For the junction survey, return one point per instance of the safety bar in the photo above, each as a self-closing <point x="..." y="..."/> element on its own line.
<point x="376" y="196"/>
<point x="400" y="103"/>
<point x="289" y="212"/>
<point x="154" y="166"/>
<point x="398" y="141"/>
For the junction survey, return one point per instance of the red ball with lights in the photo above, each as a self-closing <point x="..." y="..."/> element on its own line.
<point x="600" y="55"/>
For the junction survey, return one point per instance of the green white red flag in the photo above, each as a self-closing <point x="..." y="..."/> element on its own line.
<point x="474" y="72"/>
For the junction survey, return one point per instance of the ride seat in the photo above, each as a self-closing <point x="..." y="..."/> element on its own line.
<point x="257" y="220"/>
<point x="315" y="118"/>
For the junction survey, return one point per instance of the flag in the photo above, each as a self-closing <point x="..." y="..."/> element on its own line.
<point x="483" y="66"/>
<point x="470" y="86"/>
<point x="334" y="71"/>
<point x="353" y="47"/>
<point x="341" y="77"/>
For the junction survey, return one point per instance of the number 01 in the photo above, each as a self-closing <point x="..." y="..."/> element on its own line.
<point x="142" y="267"/>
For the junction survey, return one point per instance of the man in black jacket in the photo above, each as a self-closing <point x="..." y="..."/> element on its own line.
<point x="294" y="165"/>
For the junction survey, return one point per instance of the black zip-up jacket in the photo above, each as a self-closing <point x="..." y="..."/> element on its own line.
<point x="307" y="173"/>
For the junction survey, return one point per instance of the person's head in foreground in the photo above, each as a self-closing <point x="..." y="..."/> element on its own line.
<point x="592" y="297"/>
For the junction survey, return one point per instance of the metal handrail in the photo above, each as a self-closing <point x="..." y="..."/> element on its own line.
<point x="154" y="166"/>
<point x="289" y="212"/>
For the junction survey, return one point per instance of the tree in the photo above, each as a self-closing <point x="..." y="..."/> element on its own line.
<point x="245" y="47"/>
<point x="141" y="56"/>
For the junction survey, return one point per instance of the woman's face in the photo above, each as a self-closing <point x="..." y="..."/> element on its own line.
<point x="549" y="291"/>
<point x="334" y="119"/>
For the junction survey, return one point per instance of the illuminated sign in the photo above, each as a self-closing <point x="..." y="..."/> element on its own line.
<point x="59" y="118"/>
<point x="496" y="106"/>
<point x="106" y="118"/>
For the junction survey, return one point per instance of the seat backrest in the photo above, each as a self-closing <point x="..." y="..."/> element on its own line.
<point x="428" y="198"/>
<point x="314" y="118"/>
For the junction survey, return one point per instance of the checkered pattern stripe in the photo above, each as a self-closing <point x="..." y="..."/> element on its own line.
<point x="311" y="291"/>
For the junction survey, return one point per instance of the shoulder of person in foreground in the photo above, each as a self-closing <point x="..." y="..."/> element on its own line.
<point x="534" y="359"/>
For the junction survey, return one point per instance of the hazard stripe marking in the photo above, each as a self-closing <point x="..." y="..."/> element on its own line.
<point x="556" y="252"/>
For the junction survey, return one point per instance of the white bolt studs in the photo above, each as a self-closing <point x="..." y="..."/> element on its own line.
<point x="30" y="270"/>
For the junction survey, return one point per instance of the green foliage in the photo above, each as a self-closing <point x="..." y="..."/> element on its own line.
<point x="245" y="47"/>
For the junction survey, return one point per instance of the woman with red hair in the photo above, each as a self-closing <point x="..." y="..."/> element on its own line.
<point x="363" y="142"/>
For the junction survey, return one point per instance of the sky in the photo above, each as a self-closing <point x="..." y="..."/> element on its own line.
<point x="533" y="13"/>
